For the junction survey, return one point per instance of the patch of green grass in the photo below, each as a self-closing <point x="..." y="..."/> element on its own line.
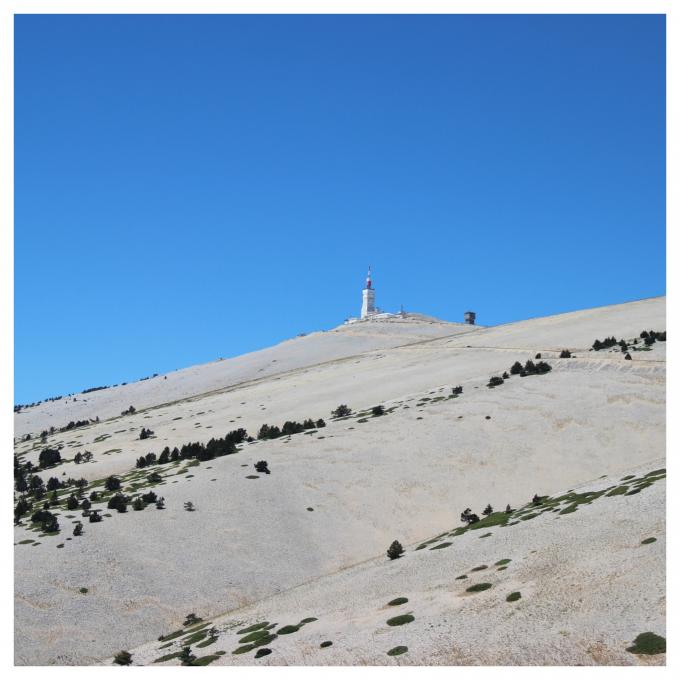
<point x="618" y="491"/>
<point x="255" y="626"/>
<point x="82" y="590"/>
<point x="623" y="479"/>
<point x="446" y="544"/>
<point x="167" y="657"/>
<point x="647" y="541"/>
<point x="244" y="649"/>
<point x="326" y="643"/>
<point x="513" y="597"/>
<point x="255" y="635"/>
<point x="287" y="630"/>
<point x="486" y="535"/>
<point x="262" y="652"/>
<point x="208" y="642"/>
<point x="400" y="620"/>
<point x="205" y="660"/>
<point x="26" y="541"/>
<point x="309" y="619"/>
<point x="478" y="588"/>
<point x="481" y="567"/>
<point x="459" y="578"/>
<point x="654" y="473"/>
<point x="634" y="491"/>
<point x="196" y="637"/>
<point x="568" y="510"/>
<point x="265" y="640"/>
<point x="396" y="651"/>
<point x="648" y="643"/>
<point x="502" y="562"/>
<point x="397" y="601"/>
<point x="172" y="636"/>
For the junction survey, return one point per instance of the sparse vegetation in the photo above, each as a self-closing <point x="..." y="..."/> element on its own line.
<point x="397" y="601"/>
<point x="514" y="596"/>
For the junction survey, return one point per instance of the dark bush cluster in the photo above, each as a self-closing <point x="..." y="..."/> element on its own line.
<point x="457" y="390"/>
<point x="650" y="337"/>
<point x="83" y="457"/>
<point x="118" y="502"/>
<point x="289" y="427"/>
<point x="261" y="466"/>
<point x="342" y="411"/>
<point x="128" y="411"/>
<point x="49" y="457"/>
<point x="565" y="354"/>
<point x="145" y="433"/>
<point x="112" y="483"/>
<point x="77" y="423"/>
<point x="468" y="516"/>
<point x="144" y="461"/>
<point x="605" y="344"/>
<point x="20" y="407"/>
<point x="378" y="410"/>
<point x="539" y="368"/>
<point x="95" y="389"/>
<point x="494" y="381"/>
<point x="395" y="550"/>
<point x="47" y="521"/>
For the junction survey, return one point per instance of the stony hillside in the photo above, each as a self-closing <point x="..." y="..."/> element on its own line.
<point x="339" y="493"/>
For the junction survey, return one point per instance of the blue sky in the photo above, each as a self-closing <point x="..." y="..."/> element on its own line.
<point x="189" y="187"/>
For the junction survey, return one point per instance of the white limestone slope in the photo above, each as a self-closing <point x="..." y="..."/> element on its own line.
<point x="588" y="587"/>
<point x="307" y="350"/>
<point x="406" y="475"/>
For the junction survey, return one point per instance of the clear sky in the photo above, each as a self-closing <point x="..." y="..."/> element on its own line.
<point x="190" y="187"/>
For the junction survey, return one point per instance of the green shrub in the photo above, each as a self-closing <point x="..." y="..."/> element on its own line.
<point x="326" y="643"/>
<point x="648" y="643"/>
<point x="255" y="626"/>
<point x="263" y="651"/>
<point x="478" y="588"/>
<point x="397" y="601"/>
<point x="287" y="630"/>
<point x="204" y="660"/>
<point x="123" y="658"/>
<point x="481" y="567"/>
<point x="400" y="620"/>
<point x="647" y="541"/>
<point x="513" y="597"/>
<point x="255" y="635"/>
<point x="396" y="651"/>
<point x="500" y="563"/>
<point x="395" y="550"/>
<point x="244" y="649"/>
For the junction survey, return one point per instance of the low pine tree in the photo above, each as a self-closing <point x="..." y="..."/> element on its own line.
<point x="395" y="550"/>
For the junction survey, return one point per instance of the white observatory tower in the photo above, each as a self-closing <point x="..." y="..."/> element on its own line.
<point x="368" y="298"/>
